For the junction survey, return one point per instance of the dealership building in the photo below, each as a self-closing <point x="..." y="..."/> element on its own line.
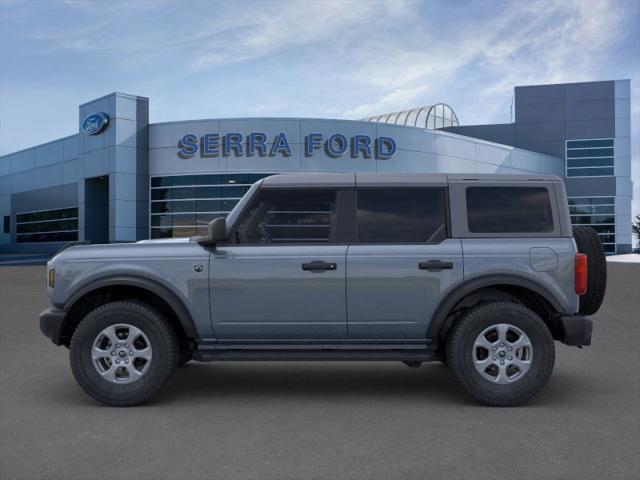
<point x="122" y="179"/>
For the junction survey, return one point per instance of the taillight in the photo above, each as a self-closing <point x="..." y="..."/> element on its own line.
<point x="581" y="274"/>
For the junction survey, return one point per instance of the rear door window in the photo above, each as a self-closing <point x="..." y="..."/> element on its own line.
<point x="391" y="215"/>
<point x="509" y="210"/>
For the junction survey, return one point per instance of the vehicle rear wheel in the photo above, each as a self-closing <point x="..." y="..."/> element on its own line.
<point x="502" y="353"/>
<point x="123" y="353"/>
<point x="588" y="242"/>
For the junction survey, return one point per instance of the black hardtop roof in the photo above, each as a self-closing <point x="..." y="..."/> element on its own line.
<point x="375" y="179"/>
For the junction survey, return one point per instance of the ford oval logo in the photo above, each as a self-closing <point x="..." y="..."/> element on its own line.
<point x="95" y="123"/>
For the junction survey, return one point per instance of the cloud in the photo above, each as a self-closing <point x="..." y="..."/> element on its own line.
<point x="264" y="31"/>
<point x="525" y="44"/>
<point x="388" y="103"/>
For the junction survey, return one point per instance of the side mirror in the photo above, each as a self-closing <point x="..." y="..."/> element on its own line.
<point x="217" y="230"/>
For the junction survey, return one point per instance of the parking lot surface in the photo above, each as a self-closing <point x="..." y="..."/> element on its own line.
<point x="319" y="420"/>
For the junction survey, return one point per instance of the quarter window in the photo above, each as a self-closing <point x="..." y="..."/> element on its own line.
<point x="589" y="158"/>
<point x="509" y="210"/>
<point x="289" y="216"/>
<point x="388" y="215"/>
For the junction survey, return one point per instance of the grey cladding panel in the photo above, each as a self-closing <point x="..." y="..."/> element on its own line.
<point x="60" y="196"/>
<point x="503" y="133"/>
<point x="597" y="128"/>
<point x="537" y="94"/>
<point x="541" y="112"/>
<point x="589" y="110"/>
<point x="590" y="91"/>
<point x="532" y="132"/>
<point x="549" y="147"/>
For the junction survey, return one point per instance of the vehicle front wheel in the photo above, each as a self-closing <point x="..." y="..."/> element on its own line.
<point x="123" y="353"/>
<point x="502" y="353"/>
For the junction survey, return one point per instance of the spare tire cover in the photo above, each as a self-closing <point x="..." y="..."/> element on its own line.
<point x="588" y="242"/>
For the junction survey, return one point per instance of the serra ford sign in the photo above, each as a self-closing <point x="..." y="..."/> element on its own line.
<point x="258" y="144"/>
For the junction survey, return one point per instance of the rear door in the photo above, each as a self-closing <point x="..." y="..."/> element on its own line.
<point x="285" y="278"/>
<point x="401" y="262"/>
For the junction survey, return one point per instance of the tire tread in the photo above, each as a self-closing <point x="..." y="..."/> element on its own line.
<point x="164" y="329"/>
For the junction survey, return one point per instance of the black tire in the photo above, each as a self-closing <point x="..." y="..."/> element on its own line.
<point x="588" y="242"/>
<point x="163" y="342"/>
<point x="460" y="351"/>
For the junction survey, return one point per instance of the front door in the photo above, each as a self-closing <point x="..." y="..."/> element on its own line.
<point x="284" y="277"/>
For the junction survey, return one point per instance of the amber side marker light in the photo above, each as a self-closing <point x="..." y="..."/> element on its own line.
<point x="52" y="278"/>
<point x="581" y="273"/>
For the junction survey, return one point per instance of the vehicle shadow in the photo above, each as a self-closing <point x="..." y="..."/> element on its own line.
<point x="311" y="380"/>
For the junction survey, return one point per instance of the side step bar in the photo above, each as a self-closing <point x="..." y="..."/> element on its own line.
<point x="211" y="355"/>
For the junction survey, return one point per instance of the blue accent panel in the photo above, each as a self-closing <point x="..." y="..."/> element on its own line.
<point x="336" y="145"/>
<point x="385" y="147"/>
<point x="312" y="142"/>
<point x="233" y="143"/>
<point x="257" y="142"/>
<point x="361" y="144"/>
<point x="281" y="145"/>
<point x="210" y="145"/>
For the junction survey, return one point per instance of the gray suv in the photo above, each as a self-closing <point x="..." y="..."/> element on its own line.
<point x="481" y="272"/>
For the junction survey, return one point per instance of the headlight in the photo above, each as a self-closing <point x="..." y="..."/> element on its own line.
<point x="52" y="277"/>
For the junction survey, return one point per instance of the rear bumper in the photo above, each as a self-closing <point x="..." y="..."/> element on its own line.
<point x="51" y="322"/>
<point x="575" y="330"/>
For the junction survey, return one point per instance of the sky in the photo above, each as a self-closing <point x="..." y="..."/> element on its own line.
<point x="323" y="59"/>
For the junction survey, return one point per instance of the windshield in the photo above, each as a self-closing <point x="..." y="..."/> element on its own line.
<point x="233" y="215"/>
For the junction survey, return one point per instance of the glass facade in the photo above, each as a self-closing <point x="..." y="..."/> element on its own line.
<point x="183" y="205"/>
<point x="589" y="158"/>
<point x="597" y="213"/>
<point x="60" y="225"/>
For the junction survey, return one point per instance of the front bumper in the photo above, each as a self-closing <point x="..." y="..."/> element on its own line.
<point x="51" y="323"/>
<point x="575" y="330"/>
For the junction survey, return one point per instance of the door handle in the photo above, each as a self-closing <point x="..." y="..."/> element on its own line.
<point x="319" y="266"/>
<point x="435" y="265"/>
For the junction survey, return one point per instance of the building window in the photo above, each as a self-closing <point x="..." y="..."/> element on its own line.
<point x="589" y="158"/>
<point x="6" y="224"/>
<point x="509" y="210"/>
<point x="415" y="215"/>
<point x="60" y="225"/>
<point x="597" y="213"/>
<point x="183" y="205"/>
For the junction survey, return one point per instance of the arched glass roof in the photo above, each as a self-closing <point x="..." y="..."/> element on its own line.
<point x="431" y="117"/>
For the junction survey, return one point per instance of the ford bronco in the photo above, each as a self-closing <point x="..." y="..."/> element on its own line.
<point x="481" y="272"/>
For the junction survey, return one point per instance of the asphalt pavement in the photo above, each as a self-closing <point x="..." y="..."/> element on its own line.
<point x="313" y="420"/>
